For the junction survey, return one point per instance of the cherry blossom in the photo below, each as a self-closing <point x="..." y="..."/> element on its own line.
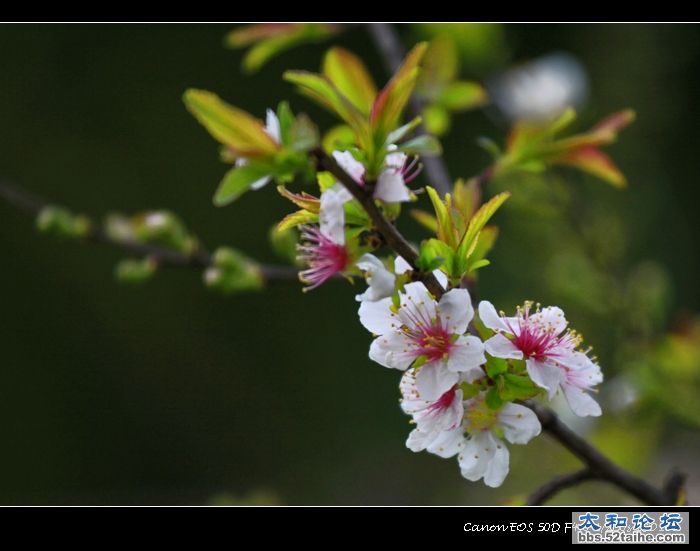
<point x="550" y="352"/>
<point x="426" y="334"/>
<point x="391" y="183"/>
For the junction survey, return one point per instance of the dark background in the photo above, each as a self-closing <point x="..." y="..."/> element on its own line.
<point x="168" y="393"/>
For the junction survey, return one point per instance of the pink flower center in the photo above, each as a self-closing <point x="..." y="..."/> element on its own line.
<point x="324" y="257"/>
<point x="434" y="343"/>
<point x="537" y="340"/>
<point x="429" y="337"/>
<point x="444" y="402"/>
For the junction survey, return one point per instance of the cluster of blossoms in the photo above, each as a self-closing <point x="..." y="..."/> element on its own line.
<point x="446" y="380"/>
<point x="464" y="376"/>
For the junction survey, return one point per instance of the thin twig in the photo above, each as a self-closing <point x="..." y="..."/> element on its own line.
<point x="392" y="237"/>
<point x="199" y="258"/>
<point x="603" y="468"/>
<point x="552" y="487"/>
<point x="392" y="52"/>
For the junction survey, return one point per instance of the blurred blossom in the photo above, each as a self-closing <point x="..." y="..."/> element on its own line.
<point x="540" y="89"/>
<point x="620" y="393"/>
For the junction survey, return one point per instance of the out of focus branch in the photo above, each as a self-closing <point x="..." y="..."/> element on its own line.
<point x="552" y="487"/>
<point x="598" y="467"/>
<point x="199" y="258"/>
<point x="388" y="43"/>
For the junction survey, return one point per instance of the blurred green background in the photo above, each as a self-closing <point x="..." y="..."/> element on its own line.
<point x="168" y="393"/>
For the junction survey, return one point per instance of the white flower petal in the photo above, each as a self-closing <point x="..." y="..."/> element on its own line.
<point x="582" y="371"/>
<point x="416" y="301"/>
<point x="484" y="456"/>
<point x="502" y="347"/>
<point x="434" y="379"/>
<point x="392" y="350"/>
<point x="391" y="187"/>
<point x="272" y="126"/>
<point x="490" y="318"/>
<point x="417" y="441"/>
<point x="442" y="280"/>
<point x="447" y="443"/>
<point x="331" y="216"/>
<point x="401" y="266"/>
<point x="497" y="469"/>
<point x="410" y="401"/>
<point x="552" y="318"/>
<point x="349" y="164"/>
<point x="380" y="280"/>
<point x="580" y="402"/>
<point x="377" y="317"/>
<point x="455" y="311"/>
<point x="261" y="183"/>
<point x="519" y="423"/>
<point x="395" y="160"/>
<point x="467" y="356"/>
<point x="544" y="375"/>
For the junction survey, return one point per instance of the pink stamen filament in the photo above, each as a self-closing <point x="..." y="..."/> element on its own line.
<point x="324" y="257"/>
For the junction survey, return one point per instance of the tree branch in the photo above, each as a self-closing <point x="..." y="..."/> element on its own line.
<point x="549" y="489"/>
<point x="387" y="41"/>
<point x="388" y="231"/>
<point x="600" y="467"/>
<point x="199" y="258"/>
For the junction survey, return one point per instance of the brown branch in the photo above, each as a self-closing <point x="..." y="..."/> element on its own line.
<point x="601" y="467"/>
<point x="199" y="258"/>
<point x="388" y="43"/>
<point x="392" y="236"/>
<point x="552" y="487"/>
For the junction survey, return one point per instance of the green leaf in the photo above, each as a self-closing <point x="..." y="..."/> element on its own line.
<point x="286" y="118"/>
<point x="350" y="76"/>
<point x="391" y="101"/>
<point x="237" y="181"/>
<point x="478" y="264"/>
<point x="463" y="95"/>
<point x="398" y="134"/>
<point x="322" y="91"/>
<point x="434" y="249"/>
<point x="265" y="50"/>
<point x="339" y="138"/>
<point x="425" y="219"/>
<point x="421" y="145"/>
<point x="61" y="222"/>
<point x="431" y="256"/>
<point x="295" y="219"/>
<point x="444" y="218"/>
<point x="495" y="366"/>
<point x="469" y="390"/>
<point x="440" y="66"/>
<point x="420" y="361"/>
<point x="595" y="162"/>
<point x="135" y="271"/>
<point x="303" y="135"/>
<point x="437" y="119"/>
<point x="270" y="39"/>
<point x="478" y="221"/>
<point x="517" y="387"/>
<point x="284" y="243"/>
<point x="229" y="125"/>
<point x="325" y="180"/>
<point x="484" y="244"/>
<point x="233" y="272"/>
<point x="493" y="400"/>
